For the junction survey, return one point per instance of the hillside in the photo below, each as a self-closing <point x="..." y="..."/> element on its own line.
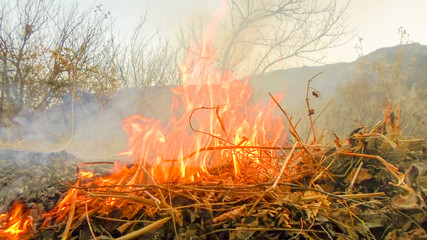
<point x="334" y="75"/>
<point x="396" y="73"/>
<point x="97" y="133"/>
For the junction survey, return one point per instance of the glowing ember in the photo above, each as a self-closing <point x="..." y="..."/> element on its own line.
<point x="15" y="223"/>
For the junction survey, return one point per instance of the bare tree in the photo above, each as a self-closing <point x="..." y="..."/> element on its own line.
<point x="261" y="35"/>
<point x="20" y="23"/>
<point x="147" y="60"/>
<point x="264" y="34"/>
<point x="47" y="52"/>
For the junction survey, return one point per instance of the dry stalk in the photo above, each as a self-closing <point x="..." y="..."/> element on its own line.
<point x="300" y="231"/>
<point x="88" y="222"/>
<point x="135" y="198"/>
<point x="351" y="186"/>
<point x="284" y="166"/>
<point x="260" y="229"/>
<point x="327" y="233"/>
<point x="122" y="220"/>
<point x="231" y="148"/>
<point x="294" y="132"/>
<point x="324" y="171"/>
<point x="163" y="203"/>
<point x="311" y="111"/>
<point x="70" y="214"/>
<point x="321" y="112"/>
<point x="172" y="214"/>
<point x="122" y="228"/>
<point x="153" y="226"/>
<point x="206" y="133"/>
<point x="364" y="195"/>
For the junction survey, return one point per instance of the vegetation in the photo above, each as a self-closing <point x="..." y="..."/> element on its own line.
<point x="399" y="78"/>
<point x="47" y="54"/>
<point x="51" y="54"/>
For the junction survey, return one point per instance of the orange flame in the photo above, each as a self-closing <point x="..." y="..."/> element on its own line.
<point x="216" y="113"/>
<point x="85" y="174"/>
<point x="213" y="125"/>
<point x="15" y="223"/>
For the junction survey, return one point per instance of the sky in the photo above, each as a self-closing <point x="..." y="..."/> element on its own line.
<point x="375" y="21"/>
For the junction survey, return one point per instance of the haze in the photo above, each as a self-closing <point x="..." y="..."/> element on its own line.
<point x="376" y="22"/>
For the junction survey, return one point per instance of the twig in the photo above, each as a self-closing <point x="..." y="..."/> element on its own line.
<point x="88" y="222"/>
<point x="284" y="166"/>
<point x="256" y="203"/>
<point x="350" y="188"/>
<point x="364" y="195"/>
<point x="301" y="229"/>
<point x="311" y="111"/>
<point x="172" y="214"/>
<point x="232" y="214"/>
<point x="156" y="200"/>
<point x="260" y="229"/>
<point x="327" y="233"/>
<point x="163" y="203"/>
<point x="221" y="122"/>
<point x="230" y="147"/>
<point x="293" y="130"/>
<point x="209" y="134"/>
<point x="71" y="213"/>
<point x="321" y="112"/>
<point x="145" y="229"/>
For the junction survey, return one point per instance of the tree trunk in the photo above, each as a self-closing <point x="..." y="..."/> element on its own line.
<point x="3" y="89"/>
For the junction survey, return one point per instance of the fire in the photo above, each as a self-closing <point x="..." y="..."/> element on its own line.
<point x="216" y="114"/>
<point x="210" y="110"/>
<point x="86" y="174"/>
<point x="214" y="133"/>
<point x="15" y="223"/>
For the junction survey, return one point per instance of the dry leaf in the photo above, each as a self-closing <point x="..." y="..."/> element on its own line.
<point x="408" y="201"/>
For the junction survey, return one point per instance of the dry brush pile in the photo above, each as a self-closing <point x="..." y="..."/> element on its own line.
<point x="371" y="185"/>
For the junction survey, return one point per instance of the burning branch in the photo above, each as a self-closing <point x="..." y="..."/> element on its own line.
<point x="207" y="133"/>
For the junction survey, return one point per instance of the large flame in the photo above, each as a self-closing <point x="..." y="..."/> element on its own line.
<point x="214" y="132"/>
<point x="216" y="115"/>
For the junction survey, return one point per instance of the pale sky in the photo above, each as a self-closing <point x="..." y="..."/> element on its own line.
<point x="376" y="21"/>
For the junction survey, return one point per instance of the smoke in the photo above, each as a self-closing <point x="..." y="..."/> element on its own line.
<point x="91" y="131"/>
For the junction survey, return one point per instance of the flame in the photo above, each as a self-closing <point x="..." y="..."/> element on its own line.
<point x="15" y="223"/>
<point x="213" y="132"/>
<point x="85" y="174"/>
<point x="216" y="113"/>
